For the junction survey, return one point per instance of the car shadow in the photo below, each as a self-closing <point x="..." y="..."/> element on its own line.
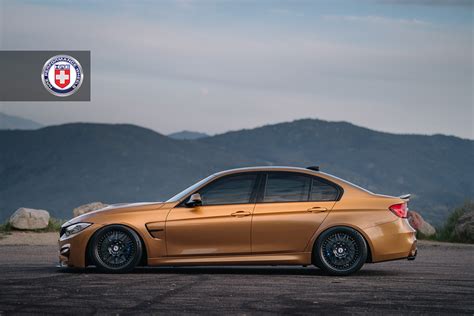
<point x="230" y="270"/>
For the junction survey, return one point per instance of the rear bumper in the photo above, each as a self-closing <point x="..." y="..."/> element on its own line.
<point x="413" y="251"/>
<point x="393" y="240"/>
<point x="413" y="256"/>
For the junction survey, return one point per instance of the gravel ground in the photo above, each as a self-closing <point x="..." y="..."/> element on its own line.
<point x="439" y="281"/>
<point x="28" y="238"/>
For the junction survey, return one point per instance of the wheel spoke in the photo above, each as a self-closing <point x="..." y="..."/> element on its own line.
<point x="116" y="248"/>
<point x="340" y="251"/>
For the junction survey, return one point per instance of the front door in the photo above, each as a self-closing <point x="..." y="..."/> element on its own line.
<point x="221" y="226"/>
<point x="291" y="209"/>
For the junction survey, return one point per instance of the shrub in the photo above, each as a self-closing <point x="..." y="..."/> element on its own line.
<point x="5" y="228"/>
<point x="447" y="232"/>
<point x="54" y="225"/>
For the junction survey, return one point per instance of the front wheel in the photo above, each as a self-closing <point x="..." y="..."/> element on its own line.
<point x="115" y="248"/>
<point x="340" y="251"/>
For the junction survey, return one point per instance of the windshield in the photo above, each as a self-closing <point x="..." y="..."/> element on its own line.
<point x="190" y="189"/>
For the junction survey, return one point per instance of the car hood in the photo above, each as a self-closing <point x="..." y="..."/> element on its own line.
<point x="114" y="209"/>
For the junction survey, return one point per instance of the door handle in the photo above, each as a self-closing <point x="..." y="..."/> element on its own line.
<point x="317" y="209"/>
<point x="240" y="214"/>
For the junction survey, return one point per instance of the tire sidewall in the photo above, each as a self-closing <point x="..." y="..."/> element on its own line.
<point x="320" y="261"/>
<point x="93" y="249"/>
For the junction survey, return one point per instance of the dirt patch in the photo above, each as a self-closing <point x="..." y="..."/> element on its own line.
<point x="29" y="238"/>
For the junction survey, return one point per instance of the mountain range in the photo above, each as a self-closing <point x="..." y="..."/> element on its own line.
<point x="15" y="122"/>
<point x="60" y="167"/>
<point x="188" y="135"/>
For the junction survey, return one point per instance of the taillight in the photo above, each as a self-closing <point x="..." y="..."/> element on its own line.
<point x="401" y="210"/>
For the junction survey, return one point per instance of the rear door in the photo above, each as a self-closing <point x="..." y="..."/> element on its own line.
<point x="290" y="208"/>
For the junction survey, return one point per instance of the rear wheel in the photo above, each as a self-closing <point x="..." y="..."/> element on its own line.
<point x="340" y="251"/>
<point x="116" y="248"/>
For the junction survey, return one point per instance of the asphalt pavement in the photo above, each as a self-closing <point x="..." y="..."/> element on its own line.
<point x="439" y="281"/>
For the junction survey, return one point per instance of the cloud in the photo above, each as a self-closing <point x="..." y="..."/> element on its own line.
<point x="185" y="4"/>
<point x="374" y="19"/>
<point x="179" y="52"/>
<point x="204" y="92"/>
<point x="158" y="66"/>
<point x="468" y="3"/>
<point x="286" y="12"/>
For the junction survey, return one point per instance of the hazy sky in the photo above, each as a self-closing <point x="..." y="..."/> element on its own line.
<point x="211" y="66"/>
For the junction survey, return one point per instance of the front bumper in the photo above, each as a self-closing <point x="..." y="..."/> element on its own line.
<point x="73" y="249"/>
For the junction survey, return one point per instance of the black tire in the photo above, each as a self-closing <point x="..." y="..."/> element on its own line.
<point x="340" y="251"/>
<point x="115" y="249"/>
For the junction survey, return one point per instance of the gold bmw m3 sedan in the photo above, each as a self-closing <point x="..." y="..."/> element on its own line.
<point x="247" y="216"/>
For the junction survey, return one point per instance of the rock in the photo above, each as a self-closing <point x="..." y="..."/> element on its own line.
<point x="86" y="208"/>
<point x="464" y="228"/>
<point x="29" y="219"/>
<point x="418" y="223"/>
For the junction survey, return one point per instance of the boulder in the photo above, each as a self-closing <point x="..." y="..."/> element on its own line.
<point x="418" y="223"/>
<point x="29" y="219"/>
<point x="86" y="208"/>
<point x="464" y="228"/>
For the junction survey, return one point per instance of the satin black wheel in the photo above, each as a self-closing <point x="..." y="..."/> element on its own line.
<point x="116" y="248"/>
<point x="340" y="251"/>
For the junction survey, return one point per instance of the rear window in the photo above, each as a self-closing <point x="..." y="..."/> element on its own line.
<point x="293" y="187"/>
<point x="286" y="188"/>
<point x="321" y="191"/>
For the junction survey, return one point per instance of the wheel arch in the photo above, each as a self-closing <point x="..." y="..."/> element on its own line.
<point x="143" y="260"/>
<point x="344" y="225"/>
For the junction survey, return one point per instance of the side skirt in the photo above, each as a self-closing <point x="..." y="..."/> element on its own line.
<point x="301" y="258"/>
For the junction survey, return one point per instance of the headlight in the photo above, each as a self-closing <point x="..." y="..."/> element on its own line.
<point x="76" y="228"/>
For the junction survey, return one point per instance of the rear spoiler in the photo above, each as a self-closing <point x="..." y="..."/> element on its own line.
<point x="405" y="197"/>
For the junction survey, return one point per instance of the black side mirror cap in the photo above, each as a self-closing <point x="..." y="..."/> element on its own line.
<point x="194" y="200"/>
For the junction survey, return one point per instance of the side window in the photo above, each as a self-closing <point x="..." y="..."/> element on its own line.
<point x="286" y="187"/>
<point x="229" y="190"/>
<point x="321" y="191"/>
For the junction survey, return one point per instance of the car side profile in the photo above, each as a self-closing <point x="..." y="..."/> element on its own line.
<point x="247" y="216"/>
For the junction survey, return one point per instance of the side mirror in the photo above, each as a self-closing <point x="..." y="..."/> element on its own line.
<point x="194" y="200"/>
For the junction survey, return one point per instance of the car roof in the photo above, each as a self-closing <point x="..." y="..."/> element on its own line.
<point x="274" y="168"/>
<point x="266" y="168"/>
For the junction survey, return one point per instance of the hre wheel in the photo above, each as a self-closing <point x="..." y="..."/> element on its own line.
<point x="340" y="251"/>
<point x="115" y="248"/>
